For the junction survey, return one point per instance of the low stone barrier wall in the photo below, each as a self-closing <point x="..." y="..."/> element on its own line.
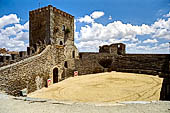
<point x="153" y="64"/>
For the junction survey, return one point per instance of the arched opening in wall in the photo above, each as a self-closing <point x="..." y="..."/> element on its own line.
<point x="63" y="28"/>
<point x="65" y="64"/>
<point x="61" y="43"/>
<point x="55" y="75"/>
<point x="106" y="63"/>
<point x="118" y="50"/>
<point x="73" y="54"/>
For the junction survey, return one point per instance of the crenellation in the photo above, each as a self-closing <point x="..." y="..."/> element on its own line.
<point x="44" y="9"/>
<point x="11" y="56"/>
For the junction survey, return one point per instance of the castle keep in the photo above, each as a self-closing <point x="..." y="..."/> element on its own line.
<point x="52" y="55"/>
<point x="49" y="55"/>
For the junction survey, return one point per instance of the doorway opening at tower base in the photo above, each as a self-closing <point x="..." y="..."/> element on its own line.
<point x="55" y="75"/>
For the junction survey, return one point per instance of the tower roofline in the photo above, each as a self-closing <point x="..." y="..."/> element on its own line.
<point x="48" y="8"/>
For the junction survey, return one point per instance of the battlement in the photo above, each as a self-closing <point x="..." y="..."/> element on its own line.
<point x="54" y="9"/>
<point x="11" y="57"/>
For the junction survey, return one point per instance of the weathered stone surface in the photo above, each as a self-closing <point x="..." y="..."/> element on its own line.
<point x="51" y="38"/>
<point x="32" y="73"/>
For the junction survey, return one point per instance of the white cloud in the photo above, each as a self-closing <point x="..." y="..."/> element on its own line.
<point x="86" y="19"/>
<point x="161" y="48"/>
<point x="8" y="19"/>
<point x="150" y="41"/>
<point x="90" y="19"/>
<point x="167" y="15"/>
<point x="115" y="30"/>
<point x="91" y="36"/>
<point x="15" y="37"/>
<point x="110" y="18"/>
<point x="162" y="29"/>
<point x="97" y="14"/>
<point x="161" y="24"/>
<point x="22" y="36"/>
<point x="26" y="26"/>
<point x="90" y="45"/>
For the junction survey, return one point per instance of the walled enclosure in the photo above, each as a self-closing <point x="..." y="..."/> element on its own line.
<point x="113" y="58"/>
<point x="52" y="52"/>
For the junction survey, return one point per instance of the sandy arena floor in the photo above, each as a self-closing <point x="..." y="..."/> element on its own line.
<point x="104" y="87"/>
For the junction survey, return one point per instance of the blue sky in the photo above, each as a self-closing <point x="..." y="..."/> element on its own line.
<point x="144" y="25"/>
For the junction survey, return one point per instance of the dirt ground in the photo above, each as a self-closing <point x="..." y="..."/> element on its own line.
<point x="10" y="104"/>
<point x="104" y="87"/>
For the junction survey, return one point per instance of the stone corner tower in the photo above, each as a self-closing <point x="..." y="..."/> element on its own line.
<point x="49" y="25"/>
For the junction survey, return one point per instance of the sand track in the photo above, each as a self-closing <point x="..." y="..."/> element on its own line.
<point x="104" y="87"/>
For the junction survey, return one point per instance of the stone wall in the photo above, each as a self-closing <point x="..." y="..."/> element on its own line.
<point x="32" y="73"/>
<point x="153" y="64"/>
<point x="61" y="27"/>
<point x="32" y="68"/>
<point x="90" y="63"/>
<point x="49" y="25"/>
<point x="39" y="26"/>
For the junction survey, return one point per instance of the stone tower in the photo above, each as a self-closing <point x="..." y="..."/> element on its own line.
<point x="49" y="25"/>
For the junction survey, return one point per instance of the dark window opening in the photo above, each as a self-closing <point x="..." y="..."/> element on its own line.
<point x="63" y="28"/>
<point x="65" y="64"/>
<point x="20" y="54"/>
<point x="61" y="43"/>
<point x="55" y="75"/>
<point x="28" y="50"/>
<point x="73" y="54"/>
<point x="119" y="52"/>
<point x="13" y="57"/>
<point x="7" y="57"/>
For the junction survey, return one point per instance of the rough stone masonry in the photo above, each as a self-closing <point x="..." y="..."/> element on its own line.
<point x="51" y="51"/>
<point x="52" y="55"/>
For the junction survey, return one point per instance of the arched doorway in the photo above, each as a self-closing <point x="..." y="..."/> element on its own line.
<point x="55" y="75"/>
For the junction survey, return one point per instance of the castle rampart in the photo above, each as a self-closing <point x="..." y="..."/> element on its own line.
<point x="32" y="73"/>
